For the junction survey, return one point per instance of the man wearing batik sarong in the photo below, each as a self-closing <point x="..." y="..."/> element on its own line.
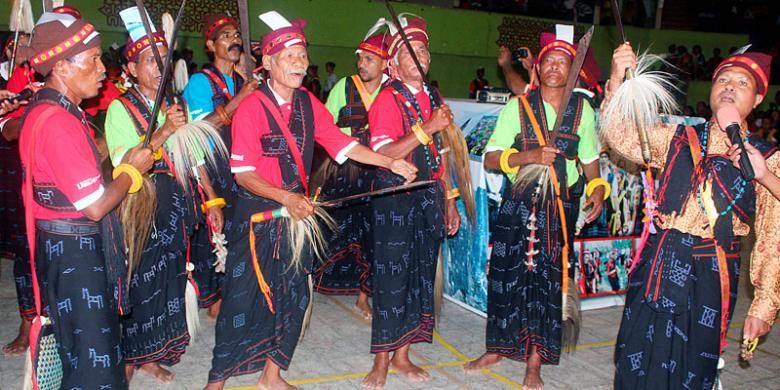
<point x="265" y="291"/>
<point x="79" y="251"/>
<point x="533" y="234"/>
<point x="347" y="270"/>
<point x="682" y="293"/>
<point x="213" y="94"/>
<point x="155" y="331"/>
<point x="408" y="228"/>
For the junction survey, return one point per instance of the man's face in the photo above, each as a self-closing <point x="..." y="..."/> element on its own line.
<point x="554" y="68"/>
<point x="227" y="44"/>
<point x="370" y="66"/>
<point x="735" y="87"/>
<point x="480" y="73"/>
<point x="24" y="40"/>
<point x="145" y="70"/>
<point x="404" y="63"/>
<point x="288" y="67"/>
<point x="83" y="73"/>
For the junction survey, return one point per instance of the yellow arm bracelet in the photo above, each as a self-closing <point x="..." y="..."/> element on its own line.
<point x="596" y="183"/>
<point x="453" y="193"/>
<point x="133" y="173"/>
<point x="424" y="139"/>
<point x="503" y="161"/>
<point x="218" y="202"/>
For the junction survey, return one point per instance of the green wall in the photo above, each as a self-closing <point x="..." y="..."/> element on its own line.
<point x="461" y="40"/>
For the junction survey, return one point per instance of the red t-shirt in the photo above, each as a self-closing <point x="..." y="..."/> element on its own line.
<point x="107" y="93"/>
<point x="62" y="156"/>
<point x="385" y="119"/>
<point x="250" y="123"/>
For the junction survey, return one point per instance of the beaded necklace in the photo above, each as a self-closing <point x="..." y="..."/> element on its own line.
<point x="742" y="184"/>
<point x="434" y="163"/>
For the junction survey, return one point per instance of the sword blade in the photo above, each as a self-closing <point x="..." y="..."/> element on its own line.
<point x="243" y="14"/>
<point x="166" y="75"/>
<point x="571" y="81"/>
<point x="405" y="187"/>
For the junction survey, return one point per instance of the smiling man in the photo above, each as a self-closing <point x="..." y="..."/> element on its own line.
<point x="683" y="290"/>
<point x="79" y="259"/>
<point x="266" y="289"/>
<point x="525" y="304"/>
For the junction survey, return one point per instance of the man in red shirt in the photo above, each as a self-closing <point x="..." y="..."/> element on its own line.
<point x="405" y="120"/>
<point x="265" y="294"/>
<point x="70" y="224"/>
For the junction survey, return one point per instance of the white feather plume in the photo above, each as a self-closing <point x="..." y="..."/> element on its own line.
<point x="181" y="76"/>
<point x="191" y="308"/>
<point x="21" y="17"/>
<point x="639" y="101"/>
<point x="193" y="144"/>
<point x="167" y="26"/>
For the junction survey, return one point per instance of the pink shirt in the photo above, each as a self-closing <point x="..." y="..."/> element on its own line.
<point x="250" y="123"/>
<point x="62" y="156"/>
<point x="385" y="119"/>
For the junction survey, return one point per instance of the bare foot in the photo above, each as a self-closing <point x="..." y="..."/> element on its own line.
<point x="22" y="340"/>
<point x="281" y="384"/>
<point x="154" y="369"/>
<point x="403" y="365"/>
<point x="378" y="376"/>
<point x="272" y="378"/>
<point x="215" y="386"/>
<point x="213" y="310"/>
<point x="363" y="307"/>
<point x="533" y="379"/>
<point x="486" y="360"/>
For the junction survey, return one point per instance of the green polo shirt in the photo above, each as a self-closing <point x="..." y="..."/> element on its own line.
<point x="508" y="127"/>
<point x="338" y="99"/>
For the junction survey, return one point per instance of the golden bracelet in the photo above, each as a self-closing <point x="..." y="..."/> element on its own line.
<point x="596" y="183"/>
<point x="453" y="193"/>
<point x="424" y="139"/>
<point x="156" y="154"/>
<point x="218" y="202"/>
<point x="133" y="173"/>
<point x="503" y="161"/>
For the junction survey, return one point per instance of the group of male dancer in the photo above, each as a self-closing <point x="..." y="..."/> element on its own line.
<point x="110" y="321"/>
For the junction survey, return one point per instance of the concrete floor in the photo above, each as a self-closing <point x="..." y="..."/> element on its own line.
<point x="334" y="353"/>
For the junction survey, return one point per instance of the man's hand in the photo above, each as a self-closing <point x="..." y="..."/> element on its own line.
<point x="544" y="155"/>
<point x="595" y="202"/>
<point x="246" y="90"/>
<point x="622" y="58"/>
<point x="216" y="219"/>
<point x="452" y="217"/>
<point x="756" y="159"/>
<point x="439" y="120"/>
<point x="755" y="328"/>
<point x="140" y="157"/>
<point x="404" y="168"/>
<point x="174" y="118"/>
<point x="297" y="205"/>
<point x="9" y="105"/>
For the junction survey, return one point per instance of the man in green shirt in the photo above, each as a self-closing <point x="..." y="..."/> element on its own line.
<point x="346" y="271"/>
<point x="529" y="273"/>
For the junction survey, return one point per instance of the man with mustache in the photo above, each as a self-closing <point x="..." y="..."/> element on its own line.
<point x="683" y="290"/>
<point x="213" y="94"/>
<point x="532" y="238"/>
<point x="408" y="228"/>
<point x="348" y="265"/>
<point x="266" y="290"/>
<point x="159" y="277"/>
<point x="71" y="226"/>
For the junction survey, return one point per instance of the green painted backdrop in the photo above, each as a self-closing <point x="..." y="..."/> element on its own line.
<point x="461" y="40"/>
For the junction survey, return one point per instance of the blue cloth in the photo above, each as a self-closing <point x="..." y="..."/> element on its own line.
<point x="198" y="94"/>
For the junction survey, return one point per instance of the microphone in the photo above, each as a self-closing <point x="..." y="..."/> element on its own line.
<point x="728" y="119"/>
